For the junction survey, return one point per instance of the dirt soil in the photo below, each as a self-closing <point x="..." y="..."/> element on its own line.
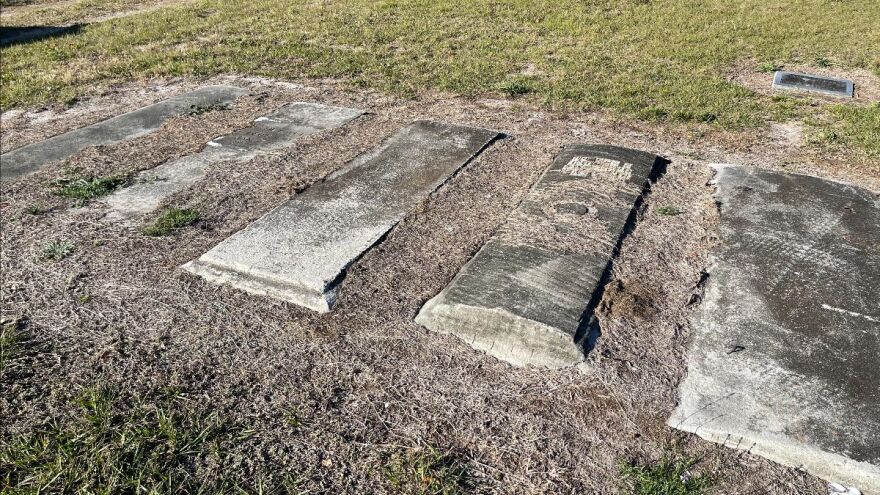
<point x="367" y="381"/>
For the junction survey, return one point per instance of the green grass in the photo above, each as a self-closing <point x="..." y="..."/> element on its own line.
<point x="668" y="210"/>
<point x="111" y="446"/>
<point x="56" y="250"/>
<point x="518" y="86"/>
<point x="663" y="60"/>
<point x="426" y="472"/>
<point x="666" y="477"/>
<point x="84" y="189"/>
<point x="44" y="13"/>
<point x="169" y="221"/>
<point x="35" y="209"/>
<point x="850" y="127"/>
<point x="767" y="67"/>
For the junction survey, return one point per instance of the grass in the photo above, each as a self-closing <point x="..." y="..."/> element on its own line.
<point x="767" y="67"/>
<point x="169" y="221"/>
<point x="426" y="472"/>
<point x="201" y="109"/>
<point x="35" y="209"/>
<point x="78" y="10"/>
<point x="664" y="60"/>
<point x="850" y="127"/>
<point x="518" y="86"/>
<point x="666" y="477"/>
<point x="114" y="447"/>
<point x="56" y="250"/>
<point x="10" y="341"/>
<point x="668" y="210"/>
<point x="84" y="189"/>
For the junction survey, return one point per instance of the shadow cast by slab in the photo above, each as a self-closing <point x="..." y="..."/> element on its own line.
<point x="589" y="330"/>
<point x="15" y="35"/>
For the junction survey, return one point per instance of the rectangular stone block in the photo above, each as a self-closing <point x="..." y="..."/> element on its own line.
<point x="528" y="295"/>
<point x="299" y="251"/>
<point x="143" y="121"/>
<point x="786" y="345"/>
<point x="269" y="133"/>
<point x="816" y="84"/>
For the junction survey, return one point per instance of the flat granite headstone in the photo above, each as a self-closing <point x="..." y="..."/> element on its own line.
<point x="127" y="126"/>
<point x="816" y="84"/>
<point x="528" y="295"/>
<point x="269" y="133"/>
<point x="785" y="360"/>
<point x="299" y="251"/>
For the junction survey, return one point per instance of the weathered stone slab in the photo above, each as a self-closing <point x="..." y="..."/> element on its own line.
<point x="528" y="295"/>
<point x="269" y="133"/>
<point x="143" y="121"/>
<point x="816" y="84"/>
<point x="299" y="251"/>
<point x="785" y="360"/>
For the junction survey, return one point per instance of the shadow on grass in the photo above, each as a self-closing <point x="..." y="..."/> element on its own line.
<point x="15" y="35"/>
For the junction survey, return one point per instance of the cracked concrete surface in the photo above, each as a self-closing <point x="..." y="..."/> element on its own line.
<point x="784" y="360"/>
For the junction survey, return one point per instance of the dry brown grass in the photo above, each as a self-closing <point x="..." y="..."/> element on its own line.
<point x="364" y="383"/>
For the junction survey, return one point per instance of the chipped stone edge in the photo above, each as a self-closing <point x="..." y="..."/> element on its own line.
<point x="778" y="84"/>
<point x="322" y="302"/>
<point x="455" y="319"/>
<point x="829" y="466"/>
<point x="438" y="317"/>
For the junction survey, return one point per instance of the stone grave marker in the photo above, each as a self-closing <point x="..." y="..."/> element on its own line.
<point x="527" y="296"/>
<point x="816" y="84"/>
<point x="269" y="133"/>
<point x="299" y="251"/>
<point x="785" y="359"/>
<point x="127" y="126"/>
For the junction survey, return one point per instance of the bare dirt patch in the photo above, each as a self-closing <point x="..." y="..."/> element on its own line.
<point x="364" y="382"/>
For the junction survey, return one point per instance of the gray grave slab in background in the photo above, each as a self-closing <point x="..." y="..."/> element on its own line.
<point x="299" y="251"/>
<point x="269" y="133"/>
<point x="785" y="360"/>
<point x="29" y="158"/>
<point x="814" y="83"/>
<point x="528" y="294"/>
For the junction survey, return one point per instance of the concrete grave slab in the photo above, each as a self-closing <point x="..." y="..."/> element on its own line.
<point x="143" y="121"/>
<point x="299" y="251"/>
<point x="816" y="84"/>
<point x="528" y="295"/>
<point x="785" y="360"/>
<point x="269" y="133"/>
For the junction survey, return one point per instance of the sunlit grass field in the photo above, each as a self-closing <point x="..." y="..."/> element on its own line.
<point x="656" y="60"/>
